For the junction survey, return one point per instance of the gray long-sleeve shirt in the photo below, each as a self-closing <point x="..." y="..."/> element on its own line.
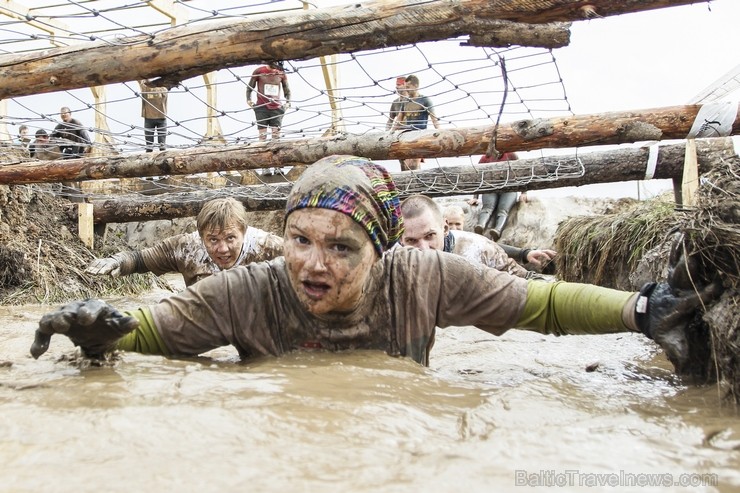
<point x="409" y="294"/>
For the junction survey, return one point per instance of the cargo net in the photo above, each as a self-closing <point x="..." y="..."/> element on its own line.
<point x="467" y="86"/>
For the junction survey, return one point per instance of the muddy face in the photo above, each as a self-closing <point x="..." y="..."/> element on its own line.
<point x="329" y="258"/>
<point x="424" y="232"/>
<point x="224" y="246"/>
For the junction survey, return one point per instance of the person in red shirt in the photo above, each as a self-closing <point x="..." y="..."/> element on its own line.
<point x="268" y="80"/>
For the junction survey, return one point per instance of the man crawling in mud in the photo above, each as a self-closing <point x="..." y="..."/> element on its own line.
<point x="341" y="285"/>
<point x="223" y="240"/>
<point x="425" y="227"/>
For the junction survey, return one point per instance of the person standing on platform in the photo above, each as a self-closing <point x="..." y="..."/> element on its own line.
<point x="154" y="112"/>
<point x="397" y="104"/>
<point x="268" y="80"/>
<point x="415" y="114"/>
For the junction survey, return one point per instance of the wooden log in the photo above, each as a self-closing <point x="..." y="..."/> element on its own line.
<point x="574" y="131"/>
<point x="523" y="174"/>
<point x="184" y="52"/>
<point x="505" y="34"/>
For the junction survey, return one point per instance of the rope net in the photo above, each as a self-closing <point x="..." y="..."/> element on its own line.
<point x="468" y="87"/>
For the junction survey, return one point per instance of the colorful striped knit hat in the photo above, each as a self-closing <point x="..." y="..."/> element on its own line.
<point x="354" y="186"/>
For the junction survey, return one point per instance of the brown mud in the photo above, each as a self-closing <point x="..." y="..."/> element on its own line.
<point x="42" y="259"/>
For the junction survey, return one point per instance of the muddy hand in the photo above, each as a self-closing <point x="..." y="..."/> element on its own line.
<point x="93" y="325"/>
<point x="540" y="258"/>
<point x="105" y="266"/>
<point x="663" y="315"/>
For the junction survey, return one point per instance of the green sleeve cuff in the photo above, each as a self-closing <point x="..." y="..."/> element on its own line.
<point x="145" y="339"/>
<point x="571" y="308"/>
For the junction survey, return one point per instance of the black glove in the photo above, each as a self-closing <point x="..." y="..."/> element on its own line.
<point x="663" y="314"/>
<point x="93" y="325"/>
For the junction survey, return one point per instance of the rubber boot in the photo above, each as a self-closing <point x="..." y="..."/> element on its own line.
<point x="483" y="218"/>
<point x="499" y="227"/>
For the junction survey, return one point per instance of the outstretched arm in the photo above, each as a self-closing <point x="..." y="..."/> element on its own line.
<point x="98" y="328"/>
<point x="119" y="264"/>
<point x="658" y="311"/>
<point x="187" y="324"/>
<point x="166" y="256"/>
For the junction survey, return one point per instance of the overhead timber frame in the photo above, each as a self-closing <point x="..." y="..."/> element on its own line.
<point x="195" y="49"/>
<point x="652" y="124"/>
<point x="326" y="32"/>
<point x="187" y="51"/>
<point x="612" y="166"/>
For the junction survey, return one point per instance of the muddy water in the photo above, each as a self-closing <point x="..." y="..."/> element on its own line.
<point x="516" y="413"/>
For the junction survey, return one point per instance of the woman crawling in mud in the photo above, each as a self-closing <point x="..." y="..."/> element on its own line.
<point x="342" y="285"/>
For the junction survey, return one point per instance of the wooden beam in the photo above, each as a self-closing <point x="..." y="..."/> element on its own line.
<point x="575" y="131"/>
<point x="188" y="51"/>
<point x="331" y="80"/>
<point x="521" y="175"/>
<point x="552" y="35"/>
<point x="85" y="224"/>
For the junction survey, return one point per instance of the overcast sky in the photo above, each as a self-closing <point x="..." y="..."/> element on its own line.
<point x="651" y="59"/>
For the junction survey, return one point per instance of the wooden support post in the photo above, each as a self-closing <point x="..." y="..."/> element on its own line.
<point x="85" y="224"/>
<point x="214" y="134"/>
<point x="4" y="133"/>
<point x="690" y="181"/>
<point x="331" y="80"/>
<point x="104" y="144"/>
